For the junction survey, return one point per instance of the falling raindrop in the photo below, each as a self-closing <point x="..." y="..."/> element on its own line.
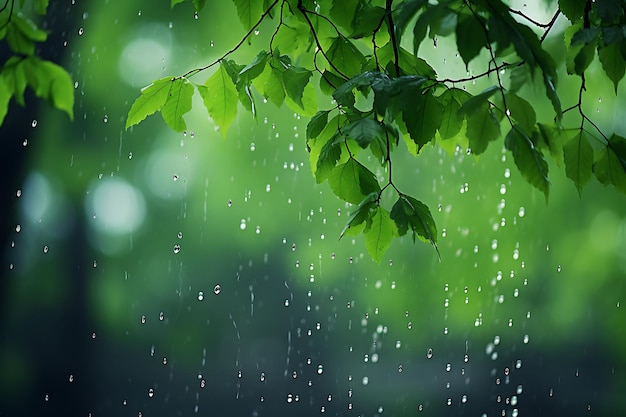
<point x="176" y="248"/>
<point x="217" y="289"/>
<point x="200" y="296"/>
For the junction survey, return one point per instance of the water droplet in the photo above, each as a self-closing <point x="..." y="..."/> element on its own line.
<point x="176" y="248"/>
<point x="34" y="123"/>
<point x="242" y="226"/>
<point x="180" y="235"/>
<point x="320" y="369"/>
<point x="81" y="31"/>
<point x="429" y="353"/>
<point x="161" y="316"/>
<point x="105" y="119"/>
<point x="175" y="177"/>
<point x="502" y="189"/>
<point x="151" y="393"/>
<point x="45" y="249"/>
<point x="143" y="319"/>
<point x="217" y="289"/>
<point x="230" y="203"/>
<point x="200" y="296"/>
<point x="252" y="147"/>
<point x="71" y="378"/>
<point x="130" y="155"/>
<point x="25" y="142"/>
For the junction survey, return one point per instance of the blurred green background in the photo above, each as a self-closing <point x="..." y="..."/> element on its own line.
<point x="152" y="273"/>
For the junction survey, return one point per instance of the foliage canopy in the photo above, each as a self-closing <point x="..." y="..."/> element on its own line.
<point x="386" y="98"/>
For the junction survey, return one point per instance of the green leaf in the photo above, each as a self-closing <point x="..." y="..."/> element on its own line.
<point x="578" y="156"/>
<point x="572" y="9"/>
<point x="253" y="69"/>
<point x="379" y="233"/>
<point x="15" y="77"/>
<point x="60" y="87"/>
<point x="344" y="95"/>
<point x="309" y="105"/>
<point x="293" y="38"/>
<point x="366" y="20"/>
<point x="177" y="104"/>
<point x="553" y="138"/>
<point x="352" y="181"/>
<point x="343" y="11"/>
<point x="422" y="114"/>
<point x="345" y="56"/>
<point x="470" y="37"/>
<point x="270" y="84"/>
<point x="585" y="35"/>
<point x="296" y="79"/>
<point x="41" y="6"/>
<point x="482" y="127"/>
<point x="610" y="164"/>
<point x="249" y="11"/>
<point x="329" y="82"/>
<point x="409" y="63"/>
<point x="219" y="95"/>
<point x="519" y="77"/>
<point x="328" y="157"/>
<point x="364" y="131"/>
<point x="475" y="103"/>
<point x="451" y="123"/>
<point x="522" y="112"/>
<point x="151" y="100"/>
<point x="612" y="63"/>
<point x="404" y="13"/>
<point x="175" y="2"/>
<point x="199" y="4"/>
<point x="361" y="214"/>
<point x="411" y="214"/>
<point x="317" y="124"/>
<point x="528" y="159"/>
<point x="5" y="97"/>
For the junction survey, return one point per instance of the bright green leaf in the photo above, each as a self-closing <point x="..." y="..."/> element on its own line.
<point x="612" y="63"/>
<point x="308" y="106"/>
<point x="177" y="104"/>
<point x="253" y="69"/>
<point x="249" y="11"/>
<point x="528" y="159"/>
<point x="379" y="233"/>
<point x="175" y="2"/>
<point x="270" y="84"/>
<point x="5" y="97"/>
<point x="329" y="82"/>
<point x="199" y="4"/>
<point x="60" y="87"/>
<point x="343" y="11"/>
<point x="451" y="123"/>
<point x="578" y="156"/>
<point x="352" y="181"/>
<point x="609" y="168"/>
<point x="219" y="95"/>
<point x="41" y="6"/>
<point x="329" y="155"/>
<point x="151" y="100"/>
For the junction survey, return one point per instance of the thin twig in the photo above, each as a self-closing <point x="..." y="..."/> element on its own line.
<point x="550" y="25"/>
<point x="193" y="72"/>
<point x="392" y="33"/>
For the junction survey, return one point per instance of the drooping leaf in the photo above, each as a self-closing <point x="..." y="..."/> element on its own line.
<point x="151" y="100"/>
<point x="178" y="103"/>
<point x="379" y="233"/>
<point x="364" y="131"/>
<point x="528" y="159"/>
<point x="199" y="4"/>
<point x="293" y="38"/>
<point x="219" y="95"/>
<point x="610" y="167"/>
<point x="578" y="156"/>
<point x="519" y="77"/>
<point x="360" y="215"/>
<point x="309" y="106"/>
<point x="613" y="63"/>
<point x="253" y="69"/>
<point x="175" y="2"/>
<point x="60" y="87"/>
<point x="404" y="13"/>
<point x="343" y="11"/>
<point x="249" y="11"/>
<point x="482" y="127"/>
<point x="553" y="139"/>
<point x="352" y="181"/>
<point x="366" y="19"/>
<point x="409" y="213"/>
<point x="344" y="93"/>
<point x="295" y="80"/>
<point x="317" y="124"/>
<point x="328" y="157"/>
<point x="5" y="97"/>
<point x="572" y="9"/>
<point x="522" y="112"/>
<point x="409" y="64"/>
<point x="451" y="123"/>
<point x="270" y="84"/>
<point x="422" y="114"/>
<point x="329" y="82"/>
<point x="470" y="36"/>
<point x="345" y="56"/>
<point x="585" y="35"/>
<point x="15" y="77"/>
<point x="475" y="103"/>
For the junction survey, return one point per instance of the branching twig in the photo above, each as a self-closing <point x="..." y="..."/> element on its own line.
<point x="392" y="33"/>
<point x="193" y="72"/>
<point x="530" y="19"/>
<point x="550" y="25"/>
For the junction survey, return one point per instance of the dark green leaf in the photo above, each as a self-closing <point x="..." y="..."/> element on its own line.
<point x="329" y="82"/>
<point x="342" y="12"/>
<point x="474" y="104"/>
<point x="220" y="96"/>
<point x="199" y="4"/>
<point x="409" y="64"/>
<point x="344" y="95"/>
<point x="364" y="131"/>
<point x="519" y="77"/>
<point x="422" y="114"/>
<point x="253" y="69"/>
<point x="609" y="10"/>
<point x="482" y="127"/>
<point x="572" y="9"/>
<point x="177" y="104"/>
<point x="361" y="214"/>
<point x="41" y="6"/>
<point x="270" y="84"/>
<point x="249" y="11"/>
<point x="352" y="181"/>
<point x="366" y="20"/>
<point x="379" y="233"/>
<point x="345" y="56"/>
<point x="151" y="100"/>
<point x="296" y="79"/>
<point x="612" y="63"/>
<point x="553" y="139"/>
<point x="317" y="124"/>
<point x="451" y="123"/>
<point x="404" y="13"/>
<point x="578" y="156"/>
<point x="585" y="36"/>
<point x="328" y="157"/>
<point x="470" y="37"/>
<point x="610" y="164"/>
<point x="411" y="214"/>
<point x="522" y="112"/>
<point x="528" y="159"/>
<point x="175" y="2"/>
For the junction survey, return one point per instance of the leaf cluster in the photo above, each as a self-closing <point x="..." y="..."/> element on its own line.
<point x="387" y="99"/>
<point x="24" y="68"/>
